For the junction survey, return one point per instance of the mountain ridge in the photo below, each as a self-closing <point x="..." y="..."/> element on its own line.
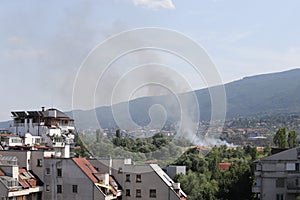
<point x="258" y="95"/>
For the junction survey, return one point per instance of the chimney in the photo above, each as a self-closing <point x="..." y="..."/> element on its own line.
<point x="43" y="109"/>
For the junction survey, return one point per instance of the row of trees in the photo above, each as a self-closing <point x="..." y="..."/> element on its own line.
<point x="158" y="147"/>
<point x="204" y="179"/>
<point x="282" y="140"/>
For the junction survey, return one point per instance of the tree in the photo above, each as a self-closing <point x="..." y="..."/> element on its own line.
<point x="118" y="133"/>
<point x="98" y="135"/>
<point x="280" y="139"/>
<point x="292" y="139"/>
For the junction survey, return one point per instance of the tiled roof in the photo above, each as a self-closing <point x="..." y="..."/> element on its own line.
<point x="113" y="184"/>
<point x="26" y="179"/>
<point x="86" y="167"/>
<point x="8" y="135"/>
<point x="224" y="166"/>
<point x="89" y="170"/>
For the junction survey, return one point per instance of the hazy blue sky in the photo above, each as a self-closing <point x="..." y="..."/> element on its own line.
<point x="43" y="43"/>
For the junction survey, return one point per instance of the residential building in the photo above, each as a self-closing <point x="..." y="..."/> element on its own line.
<point x="51" y="127"/>
<point x="277" y="177"/>
<point x="8" y="140"/>
<point x="37" y="163"/>
<point x="16" y="183"/>
<point x="76" y="178"/>
<point x="145" y="182"/>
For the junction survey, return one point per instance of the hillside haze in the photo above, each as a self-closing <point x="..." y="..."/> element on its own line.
<point x="260" y="95"/>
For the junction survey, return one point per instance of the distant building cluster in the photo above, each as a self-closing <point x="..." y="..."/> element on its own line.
<point x="37" y="162"/>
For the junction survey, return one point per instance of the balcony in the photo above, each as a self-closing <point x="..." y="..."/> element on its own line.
<point x="293" y="186"/>
<point x="256" y="189"/>
<point x="257" y="173"/>
<point x="58" y="144"/>
<point x="293" y="190"/>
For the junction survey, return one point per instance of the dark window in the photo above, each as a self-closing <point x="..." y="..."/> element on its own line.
<point x="152" y="193"/>
<point x="297" y="182"/>
<point x="120" y="170"/>
<point x="48" y="188"/>
<point x="127" y="177"/>
<point x="59" y="172"/>
<point x="279" y="196"/>
<point x="127" y="193"/>
<point x="138" y="178"/>
<point x="138" y="193"/>
<point x="280" y="182"/>
<point x="48" y="171"/>
<point x="297" y="167"/>
<point x="74" y="188"/>
<point x="39" y="163"/>
<point x="59" y="189"/>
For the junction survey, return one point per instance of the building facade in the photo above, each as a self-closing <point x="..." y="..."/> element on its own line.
<point x="43" y="166"/>
<point x="147" y="181"/>
<point x="277" y="177"/>
<point x="18" y="183"/>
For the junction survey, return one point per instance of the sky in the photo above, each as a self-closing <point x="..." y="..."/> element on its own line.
<point x="43" y="43"/>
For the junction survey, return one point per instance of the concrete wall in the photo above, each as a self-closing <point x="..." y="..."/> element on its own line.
<point x="173" y="170"/>
<point x="149" y="180"/>
<point x="3" y="190"/>
<point x="28" y="160"/>
<point x="21" y="156"/>
<point x="71" y="175"/>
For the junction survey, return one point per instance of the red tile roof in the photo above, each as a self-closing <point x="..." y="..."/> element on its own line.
<point x="224" y="166"/>
<point x="111" y="183"/>
<point x="86" y="167"/>
<point x="26" y="179"/>
<point x="8" y="135"/>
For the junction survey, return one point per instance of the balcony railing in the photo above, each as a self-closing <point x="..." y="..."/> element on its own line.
<point x="256" y="189"/>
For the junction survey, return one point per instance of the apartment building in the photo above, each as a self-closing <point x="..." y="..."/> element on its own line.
<point x="17" y="183"/>
<point x="145" y="181"/>
<point x="277" y="177"/>
<point x="42" y="165"/>
<point x="76" y="178"/>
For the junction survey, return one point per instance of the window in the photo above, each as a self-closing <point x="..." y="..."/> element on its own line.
<point x="120" y="170"/>
<point x="47" y="171"/>
<point x="138" y="178"/>
<point x="59" y="189"/>
<point x="290" y="166"/>
<point x="138" y="193"/>
<point x="280" y="182"/>
<point x="152" y="193"/>
<point x="258" y="181"/>
<point x="74" y="188"/>
<point x="59" y="172"/>
<point x="127" y="193"/>
<point x="47" y="188"/>
<point x="127" y="178"/>
<point x="39" y="163"/>
<point x="279" y="196"/>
